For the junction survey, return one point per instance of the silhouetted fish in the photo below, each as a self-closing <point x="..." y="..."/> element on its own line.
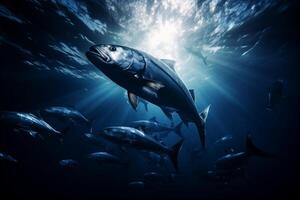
<point x="69" y="113"/>
<point x="236" y="160"/>
<point x="149" y="126"/>
<point x="69" y="163"/>
<point x="137" y="139"/>
<point x="6" y="157"/>
<point x="136" y="185"/>
<point x="28" y="123"/>
<point x="104" y="157"/>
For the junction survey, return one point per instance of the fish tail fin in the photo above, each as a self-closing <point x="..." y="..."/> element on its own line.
<point x="201" y="125"/>
<point x="252" y="150"/>
<point x="174" y="154"/>
<point x="177" y="129"/>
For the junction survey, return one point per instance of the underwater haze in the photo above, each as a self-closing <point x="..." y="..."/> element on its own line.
<point x="239" y="57"/>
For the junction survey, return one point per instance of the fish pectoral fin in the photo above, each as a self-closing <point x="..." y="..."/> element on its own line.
<point x="204" y="113"/>
<point x="154" y="84"/>
<point x="170" y="63"/>
<point x="192" y="94"/>
<point x="133" y="100"/>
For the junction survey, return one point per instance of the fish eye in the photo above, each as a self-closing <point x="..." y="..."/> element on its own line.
<point x="111" y="48"/>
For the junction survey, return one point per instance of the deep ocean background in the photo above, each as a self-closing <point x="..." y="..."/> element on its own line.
<point x="42" y="46"/>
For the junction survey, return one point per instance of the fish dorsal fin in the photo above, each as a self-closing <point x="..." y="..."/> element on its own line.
<point x="170" y="63"/>
<point x="192" y="93"/>
<point x="133" y="100"/>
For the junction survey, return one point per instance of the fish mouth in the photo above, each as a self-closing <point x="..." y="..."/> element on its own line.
<point x="98" y="53"/>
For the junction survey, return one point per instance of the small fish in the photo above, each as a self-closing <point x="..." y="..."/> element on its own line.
<point x="223" y="139"/>
<point x="153" y="177"/>
<point x="29" y="123"/>
<point x="69" y="163"/>
<point x="136" y="185"/>
<point x="93" y="139"/>
<point x="137" y="139"/>
<point x="236" y="160"/>
<point x="6" y="157"/>
<point x="151" y="126"/>
<point x="63" y="113"/>
<point x="104" y="157"/>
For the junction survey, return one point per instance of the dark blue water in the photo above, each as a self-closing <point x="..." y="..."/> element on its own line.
<point x="249" y="45"/>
